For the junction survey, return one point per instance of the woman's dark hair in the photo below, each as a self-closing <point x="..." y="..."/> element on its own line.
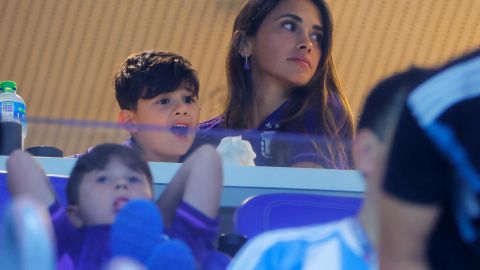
<point x="97" y="159"/>
<point x="323" y="94"/>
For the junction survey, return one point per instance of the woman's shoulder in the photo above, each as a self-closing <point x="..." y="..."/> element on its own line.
<point x="215" y="122"/>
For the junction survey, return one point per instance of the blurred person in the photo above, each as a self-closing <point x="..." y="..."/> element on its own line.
<point x="430" y="216"/>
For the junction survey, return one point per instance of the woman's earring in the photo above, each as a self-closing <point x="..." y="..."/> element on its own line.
<point x="246" y="65"/>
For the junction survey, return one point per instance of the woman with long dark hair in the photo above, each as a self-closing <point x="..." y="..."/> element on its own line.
<point x="281" y="79"/>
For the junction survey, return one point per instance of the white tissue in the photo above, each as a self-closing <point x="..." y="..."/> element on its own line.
<point x="236" y="151"/>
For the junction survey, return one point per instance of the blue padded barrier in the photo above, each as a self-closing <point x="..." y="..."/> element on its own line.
<point x="282" y="210"/>
<point x="59" y="184"/>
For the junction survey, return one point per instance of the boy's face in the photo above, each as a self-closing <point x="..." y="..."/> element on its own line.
<point x="102" y="193"/>
<point x="166" y="124"/>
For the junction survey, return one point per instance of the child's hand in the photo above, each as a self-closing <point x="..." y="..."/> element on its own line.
<point x="237" y="151"/>
<point x="26" y="177"/>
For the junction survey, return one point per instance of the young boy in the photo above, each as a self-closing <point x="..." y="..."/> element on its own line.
<point x="101" y="183"/>
<point x="158" y="96"/>
<point x="349" y="243"/>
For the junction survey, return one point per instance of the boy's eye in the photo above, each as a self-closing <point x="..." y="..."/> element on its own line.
<point x="163" y="101"/>
<point x="102" y="179"/>
<point x="289" y="26"/>
<point x="134" y="179"/>
<point x="190" y="99"/>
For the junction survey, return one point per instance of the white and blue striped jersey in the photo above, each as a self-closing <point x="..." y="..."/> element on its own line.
<point x="337" y="245"/>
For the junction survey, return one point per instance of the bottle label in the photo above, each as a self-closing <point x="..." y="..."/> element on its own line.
<point x="11" y="111"/>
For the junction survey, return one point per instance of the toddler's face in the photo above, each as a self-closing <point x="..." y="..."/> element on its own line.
<point x="173" y="117"/>
<point x="103" y="193"/>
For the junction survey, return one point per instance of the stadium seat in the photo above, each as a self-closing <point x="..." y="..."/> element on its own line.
<point x="281" y="210"/>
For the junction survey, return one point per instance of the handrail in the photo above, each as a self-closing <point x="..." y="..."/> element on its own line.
<point x="242" y="182"/>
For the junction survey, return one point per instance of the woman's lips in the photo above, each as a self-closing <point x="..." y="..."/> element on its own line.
<point x="302" y="61"/>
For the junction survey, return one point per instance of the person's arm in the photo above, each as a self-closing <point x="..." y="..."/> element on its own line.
<point x="307" y="153"/>
<point x="306" y="164"/>
<point x="26" y="177"/>
<point x="405" y="228"/>
<point x="198" y="182"/>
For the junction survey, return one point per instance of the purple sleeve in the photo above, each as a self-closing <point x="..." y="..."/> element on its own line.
<point x="198" y="231"/>
<point x="311" y="155"/>
<point x="212" y="123"/>
<point x="194" y="228"/>
<point x="63" y="228"/>
<point x="316" y="151"/>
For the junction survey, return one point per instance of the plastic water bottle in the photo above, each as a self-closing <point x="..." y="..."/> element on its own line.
<point x="12" y="106"/>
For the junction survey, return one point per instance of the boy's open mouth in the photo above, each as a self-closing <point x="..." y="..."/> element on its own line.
<point x="119" y="203"/>
<point x="180" y="130"/>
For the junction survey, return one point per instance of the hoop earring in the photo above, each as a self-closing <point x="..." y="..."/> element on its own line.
<point x="246" y="65"/>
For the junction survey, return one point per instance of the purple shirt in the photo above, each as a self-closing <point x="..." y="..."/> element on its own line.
<point x="277" y="145"/>
<point x="87" y="247"/>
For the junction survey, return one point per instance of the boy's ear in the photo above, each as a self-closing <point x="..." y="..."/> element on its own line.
<point x="127" y="119"/>
<point x="365" y="149"/>
<point x="74" y="216"/>
<point x="242" y="43"/>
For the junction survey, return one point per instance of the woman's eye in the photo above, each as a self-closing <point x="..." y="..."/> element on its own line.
<point x="102" y="179"/>
<point x="317" y="36"/>
<point x="289" y="26"/>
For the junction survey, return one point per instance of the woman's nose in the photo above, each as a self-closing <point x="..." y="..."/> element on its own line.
<point x="304" y="42"/>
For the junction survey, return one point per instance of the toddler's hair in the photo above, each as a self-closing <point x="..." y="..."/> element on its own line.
<point x="97" y="159"/>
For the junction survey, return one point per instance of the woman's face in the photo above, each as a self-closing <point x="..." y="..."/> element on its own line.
<point x="286" y="50"/>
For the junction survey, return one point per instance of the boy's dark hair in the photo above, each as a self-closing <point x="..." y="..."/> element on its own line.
<point x="147" y="74"/>
<point x="385" y="101"/>
<point x="97" y="159"/>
